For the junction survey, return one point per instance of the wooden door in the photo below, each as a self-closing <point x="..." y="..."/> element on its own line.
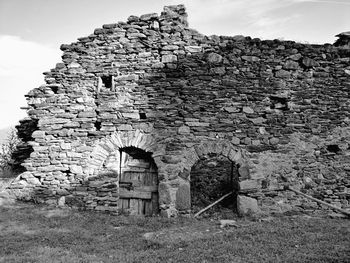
<point x="138" y="183"/>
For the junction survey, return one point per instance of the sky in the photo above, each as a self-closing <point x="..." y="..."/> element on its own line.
<point x="31" y="31"/>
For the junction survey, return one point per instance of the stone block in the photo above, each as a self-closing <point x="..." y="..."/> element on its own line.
<point x="282" y="74"/>
<point x="164" y="193"/>
<point x="198" y="124"/>
<point x="256" y="142"/>
<point x="184" y="130"/>
<point x="232" y="155"/>
<point x="232" y="109"/>
<point x="250" y="58"/>
<point x="218" y="70"/>
<point x="38" y="134"/>
<point x="226" y="147"/>
<point x="248" y="110"/>
<point x="131" y="115"/>
<point x="129" y="77"/>
<point x="258" y="120"/>
<point x="247" y="206"/>
<point x="169" y="212"/>
<point x="65" y="146"/>
<point x="87" y="114"/>
<point x="193" y="49"/>
<point x="125" y="127"/>
<point x="308" y="62"/>
<point x="170" y="47"/>
<point x="190" y="157"/>
<point x="73" y="65"/>
<point x="76" y="169"/>
<point x="169" y="58"/>
<point x="61" y="201"/>
<point x="158" y="65"/>
<point x="183" y="197"/>
<point x="295" y="57"/>
<point x="150" y="16"/>
<point x="249" y="185"/>
<point x="274" y="141"/>
<point x="243" y="172"/>
<point x="291" y="65"/>
<point x="33" y="181"/>
<point x="214" y="58"/>
<point x="171" y="159"/>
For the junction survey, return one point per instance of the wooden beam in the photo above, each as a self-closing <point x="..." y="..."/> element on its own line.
<point x="320" y="201"/>
<point x="146" y="188"/>
<point x="124" y="193"/>
<point x="212" y="204"/>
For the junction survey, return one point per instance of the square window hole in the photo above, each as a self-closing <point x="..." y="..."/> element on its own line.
<point x="107" y="81"/>
<point x="143" y="116"/>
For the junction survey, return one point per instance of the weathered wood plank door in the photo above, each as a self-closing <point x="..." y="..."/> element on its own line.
<point x="138" y="183"/>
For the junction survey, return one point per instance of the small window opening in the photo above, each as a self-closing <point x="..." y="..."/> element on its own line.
<point x="143" y="116"/>
<point x="279" y="103"/>
<point x="107" y="82"/>
<point x="333" y="148"/>
<point x="98" y="125"/>
<point x="54" y="89"/>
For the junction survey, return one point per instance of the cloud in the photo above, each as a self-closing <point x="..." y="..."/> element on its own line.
<point x="339" y="2"/>
<point x="253" y="12"/>
<point x="207" y="9"/>
<point x="258" y="18"/>
<point x="266" y="19"/>
<point x="21" y="66"/>
<point x="265" y="22"/>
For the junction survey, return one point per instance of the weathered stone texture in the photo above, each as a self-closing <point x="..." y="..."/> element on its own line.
<point x="153" y="83"/>
<point x="247" y="206"/>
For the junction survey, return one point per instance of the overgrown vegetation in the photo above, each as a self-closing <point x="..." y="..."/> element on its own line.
<point x="211" y="178"/>
<point x="38" y="234"/>
<point x="7" y="149"/>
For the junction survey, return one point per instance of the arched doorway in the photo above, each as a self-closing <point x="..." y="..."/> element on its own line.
<point x="138" y="182"/>
<point x="126" y="159"/>
<point x="211" y="177"/>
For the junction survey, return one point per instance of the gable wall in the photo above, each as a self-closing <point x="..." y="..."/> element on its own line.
<point x="280" y="103"/>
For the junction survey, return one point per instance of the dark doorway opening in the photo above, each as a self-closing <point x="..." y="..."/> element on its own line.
<point x="211" y="178"/>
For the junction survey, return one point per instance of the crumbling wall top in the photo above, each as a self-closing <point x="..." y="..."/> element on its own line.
<point x="171" y="15"/>
<point x="343" y="40"/>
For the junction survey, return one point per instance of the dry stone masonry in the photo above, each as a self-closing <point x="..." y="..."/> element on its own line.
<point x="150" y="96"/>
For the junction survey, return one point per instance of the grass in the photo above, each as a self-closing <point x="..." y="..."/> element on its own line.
<point x="39" y="234"/>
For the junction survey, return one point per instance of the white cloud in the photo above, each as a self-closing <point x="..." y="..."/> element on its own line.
<point x="209" y="9"/>
<point x="265" y="19"/>
<point x="21" y="66"/>
<point x="339" y="2"/>
<point x="230" y="13"/>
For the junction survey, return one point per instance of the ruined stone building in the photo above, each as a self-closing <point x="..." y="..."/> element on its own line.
<point x="139" y="111"/>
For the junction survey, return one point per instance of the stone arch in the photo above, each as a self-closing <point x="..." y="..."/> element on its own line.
<point x="191" y="156"/>
<point x="118" y="140"/>
<point x="219" y="147"/>
<point x="224" y="148"/>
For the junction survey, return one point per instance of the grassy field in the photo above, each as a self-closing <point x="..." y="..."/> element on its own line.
<point x="40" y="234"/>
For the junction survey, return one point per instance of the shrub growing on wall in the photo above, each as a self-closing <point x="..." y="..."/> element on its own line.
<point x="7" y="167"/>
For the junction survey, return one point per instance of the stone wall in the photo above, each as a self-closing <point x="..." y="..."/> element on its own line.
<point x="279" y="110"/>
